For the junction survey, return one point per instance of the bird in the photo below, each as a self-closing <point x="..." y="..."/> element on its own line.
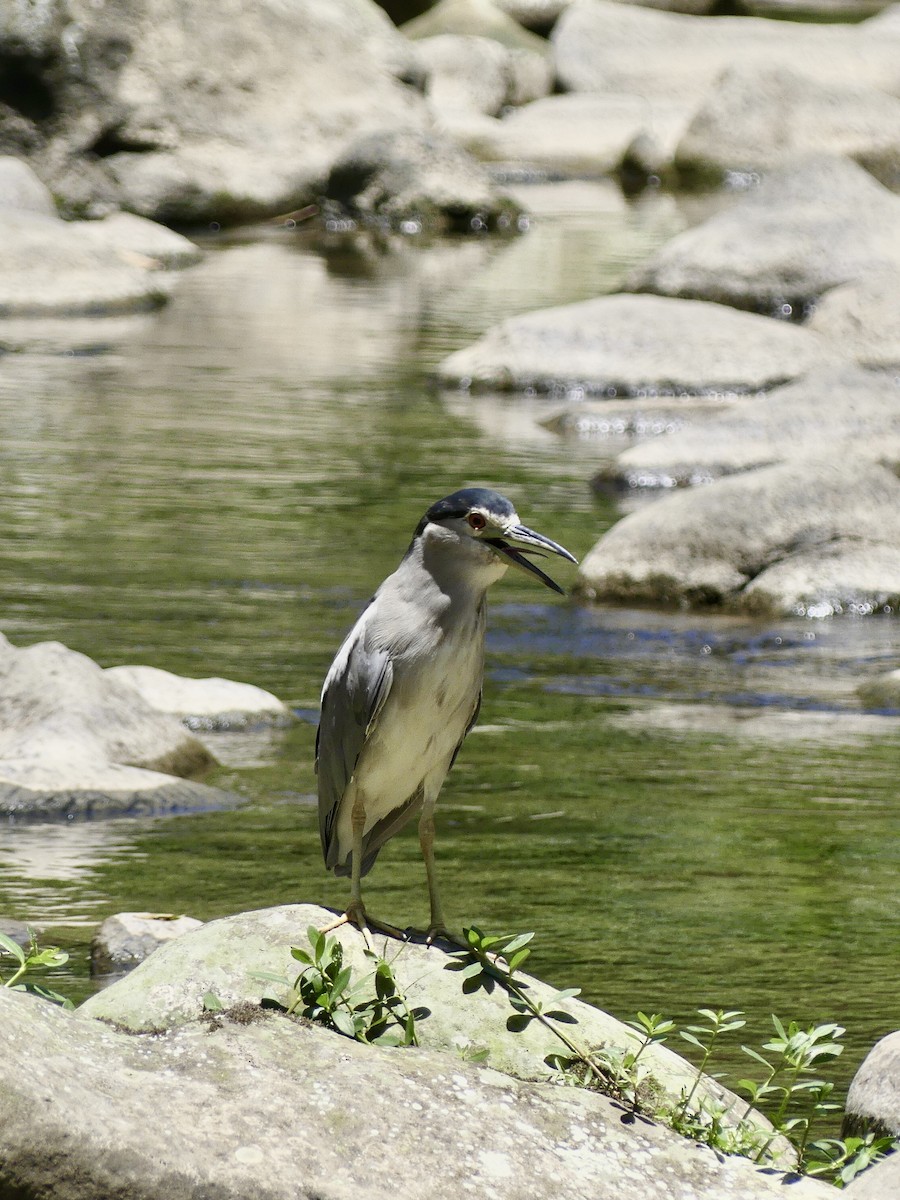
<point x="405" y="687"/>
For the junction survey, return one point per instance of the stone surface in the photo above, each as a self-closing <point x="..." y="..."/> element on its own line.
<point x="881" y="1182"/>
<point x="73" y="742"/>
<point x="811" y="537"/>
<point x="203" y="703"/>
<point x="873" y="1099"/>
<point x="844" y="407"/>
<point x="673" y="58"/>
<point x="21" y="190"/>
<point x="539" y="15"/>
<point x="808" y="228"/>
<point x="863" y="318"/>
<point x="629" y="345"/>
<point x="424" y="178"/>
<point x="479" y="18"/>
<point x="479" y="74"/>
<point x="252" y="1106"/>
<point x="759" y="116"/>
<point x="882" y="692"/>
<point x="127" y="938"/>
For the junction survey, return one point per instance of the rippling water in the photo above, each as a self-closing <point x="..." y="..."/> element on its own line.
<point x="690" y="810"/>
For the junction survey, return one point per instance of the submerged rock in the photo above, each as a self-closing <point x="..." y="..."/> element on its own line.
<point x="250" y="1104"/>
<point x="809" y="227"/>
<point x="75" y="743"/>
<point x="635" y="345"/>
<point x="204" y="703"/>
<point x="126" y="939"/>
<point x="812" y="537"/>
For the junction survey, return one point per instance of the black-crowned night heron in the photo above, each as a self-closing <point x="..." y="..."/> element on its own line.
<point x="405" y="686"/>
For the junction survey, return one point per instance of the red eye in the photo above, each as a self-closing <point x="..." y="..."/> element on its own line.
<point x="476" y="521"/>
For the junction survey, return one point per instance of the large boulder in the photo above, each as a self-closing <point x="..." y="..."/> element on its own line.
<point x="881" y="1182"/>
<point x="478" y="18"/>
<point x="204" y="112"/>
<point x="127" y="938"/>
<point x="809" y="227"/>
<point x="204" y="703"/>
<point x="763" y="115"/>
<point x="479" y="74"/>
<point x="630" y="345"/>
<point x="811" y="537"/>
<point x="73" y="742"/>
<point x="863" y="318"/>
<point x="873" y="1099"/>
<point x="250" y="1104"/>
<point x="846" y="407"/>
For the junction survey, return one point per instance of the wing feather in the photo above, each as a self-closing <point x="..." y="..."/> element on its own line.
<point x="353" y="695"/>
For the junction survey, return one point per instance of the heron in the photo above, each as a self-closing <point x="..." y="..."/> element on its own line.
<point x="405" y="686"/>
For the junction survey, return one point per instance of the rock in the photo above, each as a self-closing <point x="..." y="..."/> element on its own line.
<point x="161" y="108"/>
<point x="810" y="537"/>
<point x="252" y="1104"/>
<point x="881" y="1182"/>
<point x="863" y="318"/>
<point x="633" y="345"/>
<point x="575" y="134"/>
<point x="226" y="958"/>
<point x="881" y="692"/>
<point x="808" y="228"/>
<point x="135" y="238"/>
<point x="759" y="116"/>
<point x="21" y="190"/>
<point x="829" y="407"/>
<point x="73" y="742"/>
<point x="127" y="938"/>
<point x="204" y="703"/>
<point x="425" y="179"/>
<point x="478" y="18"/>
<point x="873" y="1099"/>
<point x="771" y="725"/>
<point x="670" y="58"/>
<point x="538" y="15"/>
<point x="479" y="74"/>
<point x="811" y="10"/>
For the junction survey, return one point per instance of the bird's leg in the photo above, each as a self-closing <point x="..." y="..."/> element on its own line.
<point x="437" y="926"/>
<point x="355" y="913"/>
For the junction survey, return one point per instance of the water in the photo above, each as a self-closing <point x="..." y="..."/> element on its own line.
<point x="690" y="810"/>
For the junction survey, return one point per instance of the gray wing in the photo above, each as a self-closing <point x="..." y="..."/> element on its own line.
<point x="354" y="693"/>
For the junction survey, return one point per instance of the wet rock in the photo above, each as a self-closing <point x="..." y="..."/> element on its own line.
<point x="673" y="58"/>
<point x="479" y="18"/>
<point x="226" y="956"/>
<point x="863" y="318"/>
<point x="849" y="407"/>
<point x="812" y="537"/>
<point x="425" y="179"/>
<point x="629" y="345"/>
<point x="73" y="742"/>
<point x="127" y="938"/>
<point x="881" y="1182"/>
<point x="204" y="703"/>
<point x="575" y="133"/>
<point x="759" y="116"/>
<point x="775" y="726"/>
<point x="161" y="107"/>
<point x="873" y="1099"/>
<point x="254" y="1104"/>
<point x="808" y="228"/>
<point x="881" y="692"/>
<point x="479" y="74"/>
<point x="21" y="190"/>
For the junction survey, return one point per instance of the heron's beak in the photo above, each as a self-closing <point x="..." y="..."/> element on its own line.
<point x="519" y="540"/>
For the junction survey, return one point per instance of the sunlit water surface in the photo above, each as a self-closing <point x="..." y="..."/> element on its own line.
<point x="689" y="810"/>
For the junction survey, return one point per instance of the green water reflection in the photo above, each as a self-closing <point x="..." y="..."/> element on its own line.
<point x="219" y="492"/>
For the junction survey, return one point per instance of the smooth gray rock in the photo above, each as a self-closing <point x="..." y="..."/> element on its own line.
<point x="127" y="938"/>
<point x="863" y="318"/>
<point x="845" y="407"/>
<point x="760" y="115"/>
<point x="811" y="537"/>
<point x="808" y="228"/>
<point x="873" y="1099"/>
<point x="479" y="18"/>
<point x="881" y="692"/>
<point x="479" y="74"/>
<point x="637" y="345"/>
<point x="253" y="1106"/>
<point x="539" y="15"/>
<point x="674" y="58"/>
<point x="21" y="190"/>
<point x="881" y="1182"/>
<point x="73" y="742"/>
<point x="227" y="957"/>
<point x="204" y="703"/>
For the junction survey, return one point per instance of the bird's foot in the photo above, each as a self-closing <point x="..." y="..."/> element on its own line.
<point x="355" y="915"/>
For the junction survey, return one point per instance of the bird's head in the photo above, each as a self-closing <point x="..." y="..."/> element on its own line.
<point x="484" y="527"/>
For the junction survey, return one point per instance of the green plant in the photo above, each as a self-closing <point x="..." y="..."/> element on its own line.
<point x="372" y="1009"/>
<point x="30" y="960"/>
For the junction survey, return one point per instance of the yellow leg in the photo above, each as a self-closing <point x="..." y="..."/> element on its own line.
<point x="356" y="910"/>
<point x="437" y="926"/>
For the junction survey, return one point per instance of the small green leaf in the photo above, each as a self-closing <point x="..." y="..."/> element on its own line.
<point x="518" y="1022"/>
<point x="212" y="1003"/>
<point x="301" y="955"/>
<point x="11" y="947"/>
<point x="516" y="943"/>
<point x="344" y="1022"/>
<point x="517" y="959"/>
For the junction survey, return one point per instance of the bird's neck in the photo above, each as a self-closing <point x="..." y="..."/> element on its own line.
<point x="462" y="571"/>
